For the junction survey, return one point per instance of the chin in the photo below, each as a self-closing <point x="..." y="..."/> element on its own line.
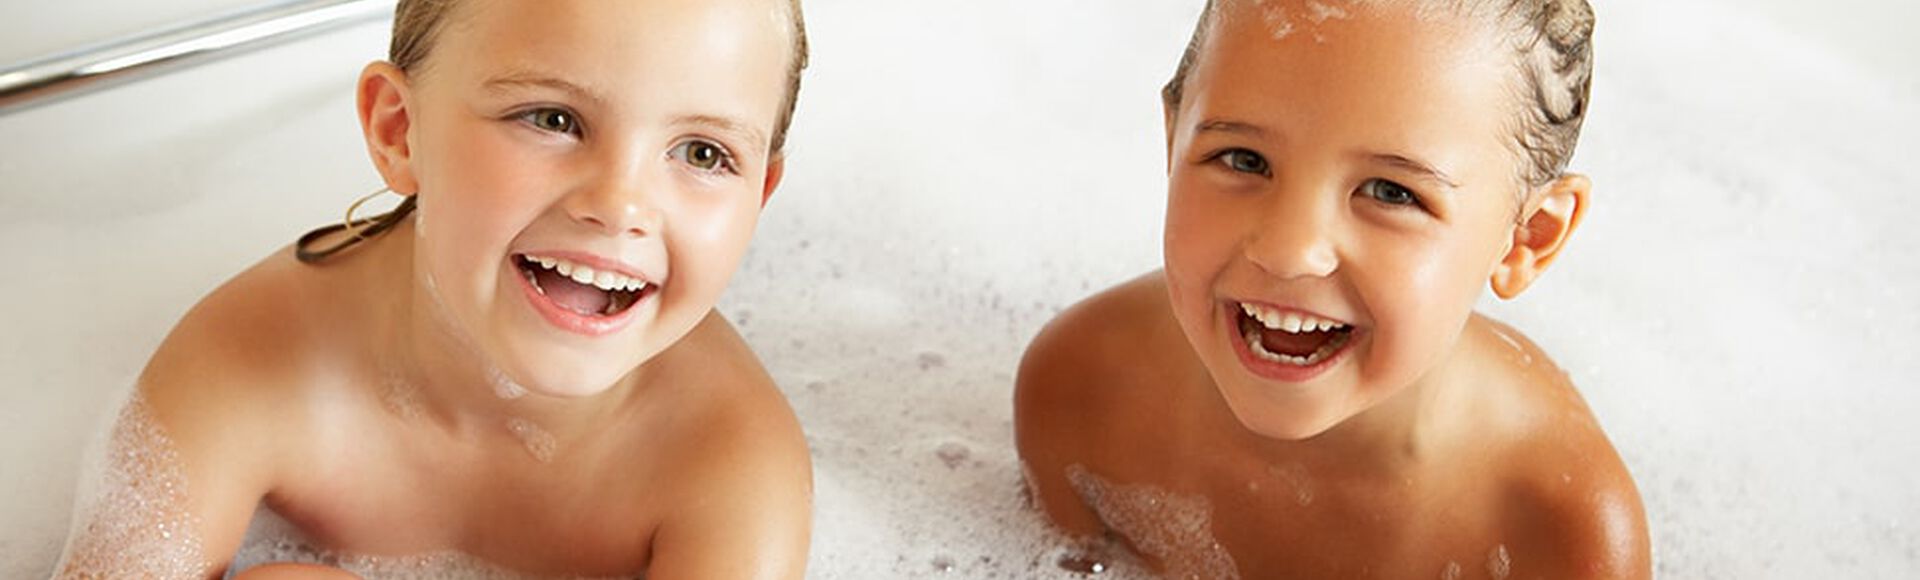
<point x="558" y="376"/>
<point x="1286" y="421"/>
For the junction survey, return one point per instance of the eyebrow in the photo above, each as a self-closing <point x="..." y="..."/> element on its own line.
<point x="739" y="130"/>
<point x="1225" y="126"/>
<point x="518" y="80"/>
<point x="1401" y="161"/>
<point x="1415" y="166"/>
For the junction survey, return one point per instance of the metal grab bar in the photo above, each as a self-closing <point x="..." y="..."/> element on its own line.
<point x="97" y="66"/>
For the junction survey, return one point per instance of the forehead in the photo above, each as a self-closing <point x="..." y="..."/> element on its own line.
<point x="1375" y="74"/>
<point x="612" y="46"/>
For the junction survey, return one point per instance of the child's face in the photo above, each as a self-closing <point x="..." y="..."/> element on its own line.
<point x="626" y="137"/>
<point x="1354" y="170"/>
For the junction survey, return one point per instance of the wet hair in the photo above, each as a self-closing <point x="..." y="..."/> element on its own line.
<point x="416" y="24"/>
<point x="1552" y="43"/>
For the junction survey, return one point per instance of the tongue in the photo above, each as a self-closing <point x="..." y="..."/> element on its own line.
<point x="572" y="295"/>
<point x="1302" y="344"/>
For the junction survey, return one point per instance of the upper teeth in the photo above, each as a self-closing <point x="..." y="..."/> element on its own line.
<point x="601" y="279"/>
<point x="1289" y="322"/>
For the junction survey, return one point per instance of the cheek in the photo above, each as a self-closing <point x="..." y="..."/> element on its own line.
<point x="710" y="232"/>
<point x="1421" y="294"/>
<point x="1201" y="237"/>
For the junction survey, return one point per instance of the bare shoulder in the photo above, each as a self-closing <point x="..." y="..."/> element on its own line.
<point x="241" y="345"/>
<point x="1565" y="486"/>
<point x="742" y="474"/>
<point x="207" y="418"/>
<point x="1093" y="349"/>
<point x="1086" y="381"/>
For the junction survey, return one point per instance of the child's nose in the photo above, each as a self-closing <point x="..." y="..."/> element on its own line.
<point x="1295" y="238"/>
<point x="621" y="204"/>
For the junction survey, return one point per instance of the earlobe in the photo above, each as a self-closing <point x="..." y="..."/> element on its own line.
<point x="384" y="102"/>
<point x="1552" y="213"/>
<point x="776" y="169"/>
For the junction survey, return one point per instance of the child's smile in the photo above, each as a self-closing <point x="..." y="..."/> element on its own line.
<point x="1336" y="203"/>
<point x="1288" y="345"/>
<point x="583" y="298"/>
<point x="590" y="175"/>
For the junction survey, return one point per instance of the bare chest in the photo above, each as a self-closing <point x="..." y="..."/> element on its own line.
<point x="546" y="517"/>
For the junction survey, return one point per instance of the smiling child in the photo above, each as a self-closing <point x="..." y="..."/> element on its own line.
<point x="1305" y="391"/>
<point x="522" y="364"/>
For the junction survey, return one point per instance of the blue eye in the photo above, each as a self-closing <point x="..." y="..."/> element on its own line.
<point x="1245" y="161"/>
<point x="1389" y="193"/>
<point x="702" y="155"/>
<point x="552" y="120"/>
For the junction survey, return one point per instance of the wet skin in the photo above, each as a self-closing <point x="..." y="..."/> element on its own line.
<point x="1360" y="169"/>
<point x="359" y="399"/>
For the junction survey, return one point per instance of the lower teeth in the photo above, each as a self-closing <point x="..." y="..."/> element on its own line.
<point x="1319" y="354"/>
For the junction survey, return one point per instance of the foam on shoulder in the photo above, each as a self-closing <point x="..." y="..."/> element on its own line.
<point x="132" y="516"/>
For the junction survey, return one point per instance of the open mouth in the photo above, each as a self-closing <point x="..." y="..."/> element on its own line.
<point x="581" y="289"/>
<point x="1291" y="338"/>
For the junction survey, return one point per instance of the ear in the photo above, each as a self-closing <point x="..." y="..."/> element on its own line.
<point x="386" y="120"/>
<point x="1549" y="217"/>
<point x="776" y="169"/>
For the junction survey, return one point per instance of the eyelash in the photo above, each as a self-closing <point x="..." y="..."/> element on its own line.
<point x="570" y="120"/>
<point x="1254" y="164"/>
<point x="1372" y="189"/>
<point x="570" y="125"/>
<point x="1226" y="158"/>
<point x="722" y="164"/>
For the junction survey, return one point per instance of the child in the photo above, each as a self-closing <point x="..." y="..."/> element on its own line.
<point x="1304" y="390"/>
<point x="526" y="370"/>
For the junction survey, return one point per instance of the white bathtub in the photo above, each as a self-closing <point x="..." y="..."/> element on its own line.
<point x="1739" y="307"/>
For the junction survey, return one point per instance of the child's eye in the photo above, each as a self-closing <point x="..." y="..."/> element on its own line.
<point x="1389" y="193"/>
<point x="702" y="155"/>
<point x="552" y="120"/>
<point x="1245" y="161"/>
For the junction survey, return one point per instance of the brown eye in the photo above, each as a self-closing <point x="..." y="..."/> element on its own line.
<point x="702" y="155"/>
<point x="552" y="120"/>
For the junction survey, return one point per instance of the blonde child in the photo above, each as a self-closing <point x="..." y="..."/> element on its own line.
<point x="1305" y="391"/>
<point x="521" y="364"/>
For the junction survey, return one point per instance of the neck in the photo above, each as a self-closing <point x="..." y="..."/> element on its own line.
<point x="1397" y="436"/>
<point x="434" y="371"/>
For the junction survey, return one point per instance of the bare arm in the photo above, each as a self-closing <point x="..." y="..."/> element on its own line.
<point x="184" y="467"/>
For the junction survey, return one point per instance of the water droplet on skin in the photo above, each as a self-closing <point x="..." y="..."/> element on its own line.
<point x="1296" y="476"/>
<point x="1451" y="572"/>
<point x="943" y="564"/>
<point x="1499" y="563"/>
<point x="540" y="444"/>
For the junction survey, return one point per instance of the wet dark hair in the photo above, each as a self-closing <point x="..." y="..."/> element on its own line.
<point x="1552" y="42"/>
<point x="416" y="23"/>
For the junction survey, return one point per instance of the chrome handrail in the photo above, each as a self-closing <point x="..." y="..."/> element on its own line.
<point x="43" y="80"/>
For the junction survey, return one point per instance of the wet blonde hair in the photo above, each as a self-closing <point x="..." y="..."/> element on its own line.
<point x="1552" y="43"/>
<point x="416" y="23"/>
